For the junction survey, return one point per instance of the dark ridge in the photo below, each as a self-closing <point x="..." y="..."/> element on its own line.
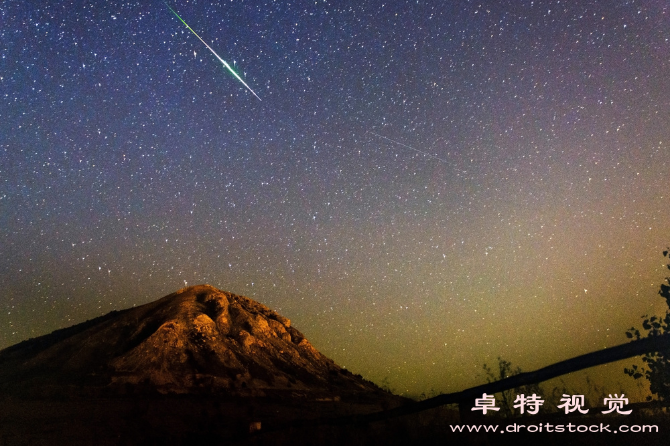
<point x="34" y="346"/>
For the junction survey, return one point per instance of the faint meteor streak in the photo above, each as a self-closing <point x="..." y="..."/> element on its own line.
<point x="225" y="64"/>
<point x="409" y="147"/>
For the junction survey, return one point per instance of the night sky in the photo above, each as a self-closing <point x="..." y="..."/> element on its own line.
<point x="422" y="187"/>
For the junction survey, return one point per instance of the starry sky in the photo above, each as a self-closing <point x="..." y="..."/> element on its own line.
<point x="422" y="187"/>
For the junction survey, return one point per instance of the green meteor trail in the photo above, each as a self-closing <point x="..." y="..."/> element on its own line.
<point x="225" y="64"/>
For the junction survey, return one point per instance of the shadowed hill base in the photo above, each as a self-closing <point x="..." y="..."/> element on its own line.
<point x="175" y="419"/>
<point x="199" y="420"/>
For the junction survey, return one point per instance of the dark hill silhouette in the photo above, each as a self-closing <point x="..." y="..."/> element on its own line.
<point x="199" y="340"/>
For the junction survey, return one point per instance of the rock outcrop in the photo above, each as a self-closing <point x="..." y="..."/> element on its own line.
<point x="197" y="340"/>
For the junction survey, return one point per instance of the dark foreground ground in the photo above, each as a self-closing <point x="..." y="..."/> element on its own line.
<point x="174" y="420"/>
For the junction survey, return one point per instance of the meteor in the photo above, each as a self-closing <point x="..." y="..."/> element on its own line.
<point x="225" y="64"/>
<point x="409" y="147"/>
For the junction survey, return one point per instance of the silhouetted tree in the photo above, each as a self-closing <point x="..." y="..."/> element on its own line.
<point x="657" y="370"/>
<point x="386" y="386"/>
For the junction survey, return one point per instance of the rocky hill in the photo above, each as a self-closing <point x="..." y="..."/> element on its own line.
<point x="197" y="340"/>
